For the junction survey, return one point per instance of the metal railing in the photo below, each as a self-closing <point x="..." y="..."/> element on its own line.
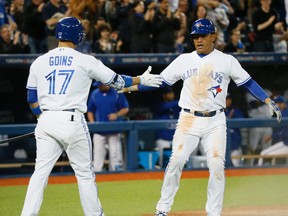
<point x="133" y="128"/>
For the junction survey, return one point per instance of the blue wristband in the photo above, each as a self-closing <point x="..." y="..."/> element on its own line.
<point x="145" y="88"/>
<point x="127" y="79"/>
<point x="36" y="110"/>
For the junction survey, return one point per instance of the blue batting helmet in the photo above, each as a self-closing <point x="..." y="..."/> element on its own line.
<point x="203" y="26"/>
<point x="69" y="29"/>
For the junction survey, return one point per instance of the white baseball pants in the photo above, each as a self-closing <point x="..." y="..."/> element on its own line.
<point x="55" y="133"/>
<point x="211" y="133"/>
<point x="277" y="148"/>
<point x="101" y="143"/>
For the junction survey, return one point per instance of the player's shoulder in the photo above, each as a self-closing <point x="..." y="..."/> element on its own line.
<point x="94" y="93"/>
<point x="186" y="55"/>
<point x="40" y="58"/>
<point x="221" y="54"/>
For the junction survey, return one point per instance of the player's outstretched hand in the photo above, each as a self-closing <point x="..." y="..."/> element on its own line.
<point x="128" y="89"/>
<point x="148" y="79"/>
<point x="275" y="109"/>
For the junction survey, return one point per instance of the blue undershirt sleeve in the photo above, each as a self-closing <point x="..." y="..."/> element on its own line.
<point x="254" y="89"/>
<point x="32" y="96"/>
<point x="128" y="80"/>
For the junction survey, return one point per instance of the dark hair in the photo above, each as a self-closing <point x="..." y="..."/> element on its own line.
<point x="103" y="27"/>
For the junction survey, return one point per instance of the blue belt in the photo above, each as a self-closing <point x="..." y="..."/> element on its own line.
<point x="204" y="114"/>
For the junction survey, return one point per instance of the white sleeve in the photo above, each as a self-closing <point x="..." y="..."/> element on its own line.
<point x="171" y="74"/>
<point x="238" y="74"/>
<point x="32" y="80"/>
<point x="100" y="72"/>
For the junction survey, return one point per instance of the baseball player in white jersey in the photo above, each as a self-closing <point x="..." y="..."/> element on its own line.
<point x="206" y="74"/>
<point x="58" y="87"/>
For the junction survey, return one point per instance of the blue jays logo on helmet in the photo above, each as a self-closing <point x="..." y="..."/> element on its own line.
<point x="203" y="26"/>
<point x="70" y="29"/>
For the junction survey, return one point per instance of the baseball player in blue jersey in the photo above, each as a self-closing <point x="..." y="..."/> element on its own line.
<point x="167" y="108"/>
<point x="235" y="133"/>
<point x="206" y="73"/>
<point x="106" y="105"/>
<point x="279" y="137"/>
<point x="58" y="86"/>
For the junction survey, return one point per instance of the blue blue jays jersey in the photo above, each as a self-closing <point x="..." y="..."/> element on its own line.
<point x="235" y="133"/>
<point x="281" y="133"/>
<point x="166" y="110"/>
<point x="104" y="103"/>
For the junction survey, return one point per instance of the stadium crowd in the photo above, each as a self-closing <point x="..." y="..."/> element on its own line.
<point x="150" y="26"/>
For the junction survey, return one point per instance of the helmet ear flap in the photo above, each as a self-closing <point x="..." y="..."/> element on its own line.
<point x="81" y="37"/>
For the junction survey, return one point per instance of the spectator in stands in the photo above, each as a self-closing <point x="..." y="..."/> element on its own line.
<point x="258" y="135"/>
<point x="286" y="12"/>
<point x="106" y="105"/>
<point x="237" y="18"/>
<point x="235" y="44"/>
<point x="84" y="9"/>
<point x="183" y="39"/>
<point x="19" y="44"/>
<point x="123" y="11"/>
<point x="217" y="13"/>
<point x="34" y="27"/>
<point x="165" y="24"/>
<point x="167" y="108"/>
<point x="265" y="22"/>
<point x="52" y="12"/>
<point x="240" y="9"/>
<point x="98" y="23"/>
<point x="106" y="44"/>
<point x="141" y="25"/>
<point x="286" y="94"/>
<point x="200" y="12"/>
<point x="280" y="134"/>
<point x="17" y="13"/>
<point x="3" y="13"/>
<point x="86" y="44"/>
<point x="173" y="5"/>
<point x="235" y="134"/>
<point x="280" y="38"/>
<point x="108" y="11"/>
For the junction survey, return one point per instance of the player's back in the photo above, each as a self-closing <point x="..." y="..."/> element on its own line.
<point x="63" y="78"/>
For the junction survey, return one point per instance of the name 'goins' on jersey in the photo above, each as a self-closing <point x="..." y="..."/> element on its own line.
<point x="63" y="77"/>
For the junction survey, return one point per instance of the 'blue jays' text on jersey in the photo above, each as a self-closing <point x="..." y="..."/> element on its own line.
<point x="205" y="80"/>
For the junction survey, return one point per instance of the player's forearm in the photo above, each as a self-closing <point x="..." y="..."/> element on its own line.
<point x="122" y="112"/>
<point x="32" y="99"/>
<point x="255" y="90"/>
<point x="136" y="81"/>
<point x="90" y="117"/>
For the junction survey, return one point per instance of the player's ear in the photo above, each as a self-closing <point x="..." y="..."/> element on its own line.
<point x="213" y="37"/>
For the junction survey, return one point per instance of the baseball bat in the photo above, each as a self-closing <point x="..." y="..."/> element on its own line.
<point x="28" y="135"/>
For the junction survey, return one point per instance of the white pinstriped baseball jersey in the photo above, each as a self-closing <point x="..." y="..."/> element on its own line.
<point x="205" y="80"/>
<point x="64" y="83"/>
